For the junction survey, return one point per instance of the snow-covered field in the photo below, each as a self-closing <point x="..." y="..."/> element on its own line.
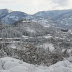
<point x="8" y="64"/>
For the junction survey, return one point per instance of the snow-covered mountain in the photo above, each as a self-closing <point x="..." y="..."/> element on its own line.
<point x="14" y="16"/>
<point x="51" y="14"/>
<point x="65" y="19"/>
<point x="57" y="18"/>
<point x="10" y="17"/>
<point x="4" y="12"/>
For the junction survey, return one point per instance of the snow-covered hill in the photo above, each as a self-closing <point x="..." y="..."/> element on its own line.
<point x="8" y="64"/>
<point x="58" y="18"/>
<point x="13" y="17"/>
<point x="4" y="12"/>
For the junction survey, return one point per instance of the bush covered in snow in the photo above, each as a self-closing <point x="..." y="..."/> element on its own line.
<point x="31" y="54"/>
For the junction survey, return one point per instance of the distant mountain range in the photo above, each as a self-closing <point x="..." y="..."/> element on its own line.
<point x="58" y="18"/>
<point x="10" y="17"/>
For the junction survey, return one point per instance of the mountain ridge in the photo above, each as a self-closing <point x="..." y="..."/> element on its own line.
<point x="54" y="17"/>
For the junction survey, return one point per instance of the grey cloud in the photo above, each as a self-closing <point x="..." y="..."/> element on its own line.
<point x="60" y="2"/>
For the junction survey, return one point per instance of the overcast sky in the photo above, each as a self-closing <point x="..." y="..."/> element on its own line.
<point x="33" y="6"/>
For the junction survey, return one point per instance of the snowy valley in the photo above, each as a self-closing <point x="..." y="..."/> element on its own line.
<point x="36" y="43"/>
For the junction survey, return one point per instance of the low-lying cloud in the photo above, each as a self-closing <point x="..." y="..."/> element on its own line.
<point x="32" y="6"/>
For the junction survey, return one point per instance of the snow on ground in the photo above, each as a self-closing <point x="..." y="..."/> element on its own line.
<point x="25" y="37"/>
<point x="47" y="36"/>
<point x="8" y="64"/>
<point x="12" y="46"/>
<point x="30" y="30"/>
<point x="47" y="45"/>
